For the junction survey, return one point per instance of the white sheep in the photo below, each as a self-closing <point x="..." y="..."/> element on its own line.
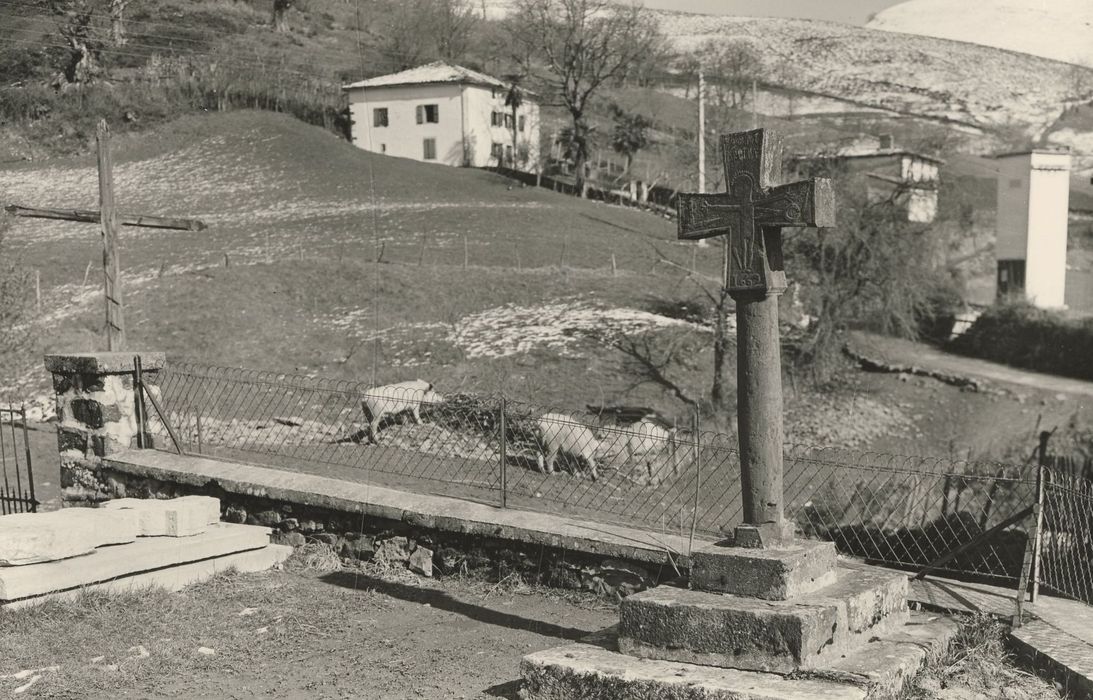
<point x="382" y="401"/>
<point x="561" y="433"/>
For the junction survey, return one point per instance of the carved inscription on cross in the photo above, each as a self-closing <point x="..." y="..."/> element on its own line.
<point x="754" y="210"/>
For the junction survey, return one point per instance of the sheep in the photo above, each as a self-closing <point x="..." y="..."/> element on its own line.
<point x="382" y="401"/>
<point x="653" y="446"/>
<point x="561" y="433"/>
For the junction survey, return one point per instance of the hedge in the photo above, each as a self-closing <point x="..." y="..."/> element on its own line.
<point x="1037" y="339"/>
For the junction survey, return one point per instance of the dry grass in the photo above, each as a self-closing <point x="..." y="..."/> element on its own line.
<point x="977" y="666"/>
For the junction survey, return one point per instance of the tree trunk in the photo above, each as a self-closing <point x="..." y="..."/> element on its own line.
<point x="515" y="152"/>
<point x="721" y="394"/>
<point x="117" y="21"/>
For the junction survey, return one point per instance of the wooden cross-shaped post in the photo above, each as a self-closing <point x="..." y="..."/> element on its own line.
<point x="751" y="215"/>
<point x="108" y="219"/>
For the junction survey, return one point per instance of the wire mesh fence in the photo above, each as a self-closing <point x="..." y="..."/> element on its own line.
<point x="1066" y="539"/>
<point x="637" y="470"/>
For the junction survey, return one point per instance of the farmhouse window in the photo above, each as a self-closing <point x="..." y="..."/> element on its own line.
<point x="497" y="151"/>
<point x="508" y="121"/>
<point x="522" y="120"/>
<point x="497" y="118"/>
<point x="379" y="116"/>
<point x="428" y="114"/>
<point x="430" y="149"/>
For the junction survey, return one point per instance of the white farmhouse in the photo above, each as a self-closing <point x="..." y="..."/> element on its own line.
<point x="443" y="113"/>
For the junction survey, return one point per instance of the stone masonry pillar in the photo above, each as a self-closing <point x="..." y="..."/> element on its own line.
<point x="96" y="415"/>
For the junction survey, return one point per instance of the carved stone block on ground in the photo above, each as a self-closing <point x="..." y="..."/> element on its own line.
<point x="176" y="517"/>
<point x="33" y="538"/>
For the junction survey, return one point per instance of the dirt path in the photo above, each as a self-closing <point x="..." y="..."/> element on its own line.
<point x="360" y="634"/>
<point x="904" y="352"/>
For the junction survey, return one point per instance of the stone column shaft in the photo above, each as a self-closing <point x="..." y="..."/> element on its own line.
<point x="759" y="413"/>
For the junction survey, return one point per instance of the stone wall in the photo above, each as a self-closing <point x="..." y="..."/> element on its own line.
<point x="97" y="414"/>
<point x="356" y="537"/>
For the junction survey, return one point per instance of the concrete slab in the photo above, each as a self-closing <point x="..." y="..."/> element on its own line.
<point x="144" y="554"/>
<point x="174" y="517"/>
<point x="777" y="573"/>
<point x="748" y="633"/>
<point x="587" y="672"/>
<point x="1065" y="657"/>
<point x="34" y="538"/>
<point x="172" y="578"/>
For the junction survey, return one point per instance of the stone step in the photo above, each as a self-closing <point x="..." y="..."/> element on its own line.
<point x="715" y="629"/>
<point x="588" y="672"/>
<point x="143" y="554"/>
<point x="593" y="670"/>
<point x="883" y="665"/>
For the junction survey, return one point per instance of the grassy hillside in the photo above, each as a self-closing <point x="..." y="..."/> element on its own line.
<point x="302" y="217"/>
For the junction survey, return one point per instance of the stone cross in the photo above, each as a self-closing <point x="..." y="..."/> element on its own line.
<point x="751" y="214"/>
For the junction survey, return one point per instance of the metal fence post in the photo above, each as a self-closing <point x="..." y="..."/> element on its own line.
<point x="1038" y="515"/>
<point x="503" y="452"/>
<point x="138" y="388"/>
<point x="698" y="476"/>
<point x="30" y="468"/>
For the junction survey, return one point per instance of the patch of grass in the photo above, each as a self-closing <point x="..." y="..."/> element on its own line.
<point x="977" y="665"/>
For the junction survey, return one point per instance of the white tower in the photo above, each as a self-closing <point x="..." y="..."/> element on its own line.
<point x="1033" y="199"/>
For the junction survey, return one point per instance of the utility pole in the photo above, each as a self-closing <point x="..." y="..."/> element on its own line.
<point x="754" y="103"/>
<point x="702" y="140"/>
<point x="701" y="132"/>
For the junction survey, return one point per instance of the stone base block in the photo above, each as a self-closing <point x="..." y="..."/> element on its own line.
<point x="33" y="538"/>
<point x="587" y="672"/>
<point x="142" y="555"/>
<point x="172" y="578"/>
<point x="879" y="668"/>
<point x="176" y="517"/>
<point x="747" y="633"/>
<point x="777" y="573"/>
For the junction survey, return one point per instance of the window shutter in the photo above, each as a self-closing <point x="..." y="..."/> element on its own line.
<point x="420" y="111"/>
<point x="436" y="113"/>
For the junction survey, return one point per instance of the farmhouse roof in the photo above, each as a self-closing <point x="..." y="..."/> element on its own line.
<point x="431" y="74"/>
<point x="850" y="153"/>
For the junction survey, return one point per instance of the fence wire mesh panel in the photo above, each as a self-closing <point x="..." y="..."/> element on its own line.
<point x="16" y="470"/>
<point x="1066" y="537"/>
<point x="910" y="511"/>
<point x="326" y="427"/>
<point x="642" y="471"/>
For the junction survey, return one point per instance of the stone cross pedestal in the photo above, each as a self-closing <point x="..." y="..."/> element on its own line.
<point x="751" y="216"/>
<point x="761" y="603"/>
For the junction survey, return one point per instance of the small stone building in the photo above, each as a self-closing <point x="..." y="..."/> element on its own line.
<point x="444" y="113"/>
<point x="912" y="177"/>
<point x="1033" y="203"/>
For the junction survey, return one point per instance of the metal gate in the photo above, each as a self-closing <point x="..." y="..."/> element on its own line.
<point x="16" y="471"/>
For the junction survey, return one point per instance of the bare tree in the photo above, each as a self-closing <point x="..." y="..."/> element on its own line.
<point x="76" y="29"/>
<point x="732" y="66"/>
<point x="514" y="99"/>
<point x="453" y="24"/>
<point x="280" y="11"/>
<point x="583" y="44"/>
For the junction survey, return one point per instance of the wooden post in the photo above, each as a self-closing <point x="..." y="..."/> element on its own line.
<point x="108" y="219"/>
<point x="421" y="253"/>
<point x="466" y="254"/>
<point x="86" y="274"/>
<point x="38" y="290"/>
<point x="565" y="244"/>
<point x="614" y="266"/>
<point x="502" y="452"/>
